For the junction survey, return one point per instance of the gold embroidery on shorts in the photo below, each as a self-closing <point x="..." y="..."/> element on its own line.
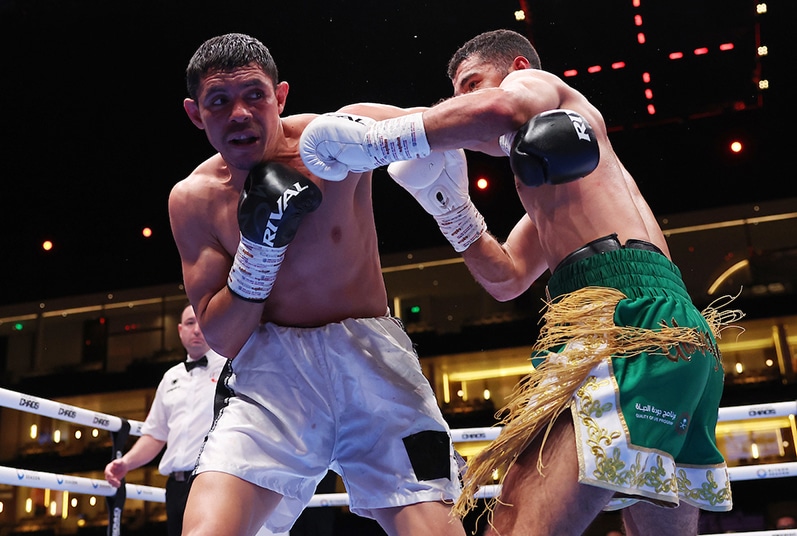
<point x="611" y="468"/>
<point x="589" y="408"/>
<point x="581" y="323"/>
<point x="708" y="492"/>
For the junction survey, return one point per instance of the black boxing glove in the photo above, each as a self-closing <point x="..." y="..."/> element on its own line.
<point x="273" y="202"/>
<point x="553" y="147"/>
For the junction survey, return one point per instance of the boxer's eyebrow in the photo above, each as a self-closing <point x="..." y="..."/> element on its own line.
<point x="464" y="82"/>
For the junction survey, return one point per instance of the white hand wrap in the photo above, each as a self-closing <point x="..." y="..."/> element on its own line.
<point x="254" y="270"/>
<point x="506" y="141"/>
<point x="463" y="226"/>
<point x="439" y="183"/>
<point x="400" y="138"/>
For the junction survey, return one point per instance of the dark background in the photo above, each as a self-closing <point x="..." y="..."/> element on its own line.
<point x="94" y="135"/>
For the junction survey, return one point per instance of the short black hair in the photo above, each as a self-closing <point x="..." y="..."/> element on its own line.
<point x="225" y="53"/>
<point x="497" y="47"/>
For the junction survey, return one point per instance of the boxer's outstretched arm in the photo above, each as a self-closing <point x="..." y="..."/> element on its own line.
<point x="378" y="111"/>
<point x="507" y="270"/>
<point x="439" y="183"/>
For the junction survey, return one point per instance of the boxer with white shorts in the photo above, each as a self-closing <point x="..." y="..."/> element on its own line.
<point x="284" y="272"/>
<point x="277" y="416"/>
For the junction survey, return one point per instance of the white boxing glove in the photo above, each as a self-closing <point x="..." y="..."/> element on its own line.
<point x="331" y="145"/>
<point x="334" y="144"/>
<point x="439" y="183"/>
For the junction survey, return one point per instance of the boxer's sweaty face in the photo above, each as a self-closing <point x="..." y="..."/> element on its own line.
<point x="473" y="74"/>
<point x="240" y="109"/>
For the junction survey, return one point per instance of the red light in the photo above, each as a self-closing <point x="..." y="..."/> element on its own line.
<point x="482" y="183"/>
<point x="676" y="55"/>
<point x="736" y="146"/>
<point x="594" y="69"/>
<point x="646" y="78"/>
<point x="700" y="51"/>
<point x="651" y="109"/>
<point x="726" y="46"/>
<point x="638" y="20"/>
<point x="618" y="65"/>
<point x="640" y="37"/>
<point x="648" y="93"/>
<point x="570" y="72"/>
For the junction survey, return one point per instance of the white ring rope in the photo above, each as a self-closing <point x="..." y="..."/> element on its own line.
<point x="65" y="412"/>
<point x="76" y="484"/>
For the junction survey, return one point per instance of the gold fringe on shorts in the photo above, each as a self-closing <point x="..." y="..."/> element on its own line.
<point x="584" y="321"/>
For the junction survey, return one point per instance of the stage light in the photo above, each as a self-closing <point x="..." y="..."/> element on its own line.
<point x="743" y="264"/>
<point x="708" y="59"/>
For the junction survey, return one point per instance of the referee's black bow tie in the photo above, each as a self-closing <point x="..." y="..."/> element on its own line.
<point x="201" y="362"/>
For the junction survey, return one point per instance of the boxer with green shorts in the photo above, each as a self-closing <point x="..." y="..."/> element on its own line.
<point x="625" y="348"/>
<point x="659" y="409"/>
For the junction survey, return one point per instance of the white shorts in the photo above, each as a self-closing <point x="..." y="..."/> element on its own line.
<point x="350" y="397"/>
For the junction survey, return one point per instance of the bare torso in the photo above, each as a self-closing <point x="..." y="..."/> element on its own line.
<point x="607" y="201"/>
<point x="331" y="269"/>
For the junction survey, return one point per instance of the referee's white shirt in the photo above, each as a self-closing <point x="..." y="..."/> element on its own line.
<point x="182" y="412"/>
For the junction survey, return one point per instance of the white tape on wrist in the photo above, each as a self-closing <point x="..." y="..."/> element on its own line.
<point x="463" y="226"/>
<point x="506" y="141"/>
<point x="400" y="138"/>
<point x="254" y="270"/>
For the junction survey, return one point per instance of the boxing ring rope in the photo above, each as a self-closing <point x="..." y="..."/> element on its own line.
<point x="76" y="484"/>
<point x="120" y="429"/>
